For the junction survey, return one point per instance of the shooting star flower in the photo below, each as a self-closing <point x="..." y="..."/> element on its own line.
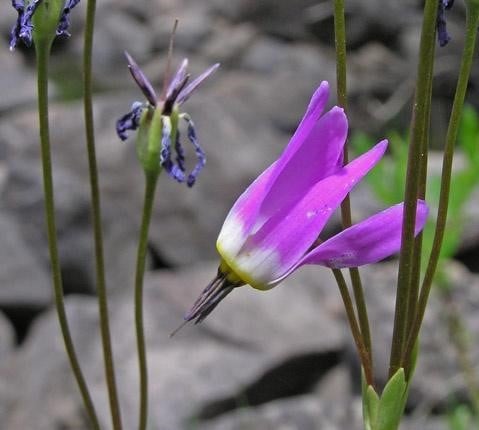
<point x="273" y="227"/>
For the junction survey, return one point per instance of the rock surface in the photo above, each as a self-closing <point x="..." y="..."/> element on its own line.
<point x="281" y="360"/>
<point x="261" y="359"/>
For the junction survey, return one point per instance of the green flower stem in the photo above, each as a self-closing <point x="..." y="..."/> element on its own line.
<point x="420" y="119"/>
<point x="340" y="42"/>
<point x="96" y="216"/>
<point x="150" y="186"/>
<point x="417" y="252"/>
<point x="42" y="47"/>
<point x="358" y="338"/>
<point x="472" y="21"/>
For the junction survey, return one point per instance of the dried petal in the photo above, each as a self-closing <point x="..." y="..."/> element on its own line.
<point x="64" y="22"/>
<point x="130" y="121"/>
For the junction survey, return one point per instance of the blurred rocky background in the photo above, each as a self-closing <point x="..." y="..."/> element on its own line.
<point x="280" y="360"/>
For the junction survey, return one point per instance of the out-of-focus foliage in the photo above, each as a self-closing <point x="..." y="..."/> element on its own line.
<point x="388" y="178"/>
<point x="461" y="418"/>
<point x="387" y="183"/>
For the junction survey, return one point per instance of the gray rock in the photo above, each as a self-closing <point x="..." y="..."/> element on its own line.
<point x="206" y="370"/>
<point x="265" y="56"/>
<point x="228" y="44"/>
<point x="248" y="334"/>
<point x="23" y="198"/>
<point x="24" y="281"/>
<point x="298" y="413"/>
<point x="7" y="19"/>
<point x="194" y="28"/>
<point x="18" y="85"/>
<point x="115" y="33"/>
<point x="269" y="15"/>
<point x="38" y="375"/>
<point x="7" y="338"/>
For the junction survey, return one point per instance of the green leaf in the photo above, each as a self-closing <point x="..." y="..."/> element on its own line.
<point x="370" y="404"/>
<point x="370" y="408"/>
<point x="392" y="402"/>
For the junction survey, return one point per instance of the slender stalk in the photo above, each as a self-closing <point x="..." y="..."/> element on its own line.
<point x="340" y="44"/>
<point x="96" y="217"/>
<point x="417" y="251"/>
<point x="472" y="20"/>
<point x="42" y="48"/>
<point x="150" y="186"/>
<point x="341" y="83"/>
<point x="358" y="339"/>
<point x="419" y="120"/>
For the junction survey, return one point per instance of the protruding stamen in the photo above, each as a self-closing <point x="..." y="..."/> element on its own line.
<point x="169" y="58"/>
<point x="200" y="154"/>
<point x="130" y="121"/>
<point x="179" y="77"/>
<point x="141" y="80"/>
<point x="211" y="296"/>
<point x="170" y="101"/>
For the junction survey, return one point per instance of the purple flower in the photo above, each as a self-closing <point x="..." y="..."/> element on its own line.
<point x="23" y="28"/>
<point x="273" y="227"/>
<point x="174" y="95"/>
<point x="442" y="34"/>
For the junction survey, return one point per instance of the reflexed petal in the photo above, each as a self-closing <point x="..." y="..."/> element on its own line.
<point x="141" y="79"/>
<point x="64" y="22"/>
<point x="367" y="242"/>
<point x="179" y="77"/>
<point x="286" y="236"/>
<point x="186" y="92"/>
<point x="244" y="216"/>
<point x="130" y="121"/>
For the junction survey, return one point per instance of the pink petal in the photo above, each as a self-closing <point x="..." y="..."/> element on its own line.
<point x="318" y="156"/>
<point x="244" y="214"/>
<point x="286" y="236"/>
<point x="367" y="242"/>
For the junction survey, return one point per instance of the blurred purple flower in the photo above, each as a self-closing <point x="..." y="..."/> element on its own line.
<point x="442" y="34"/>
<point x="273" y="227"/>
<point x="23" y="28"/>
<point x="176" y="93"/>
